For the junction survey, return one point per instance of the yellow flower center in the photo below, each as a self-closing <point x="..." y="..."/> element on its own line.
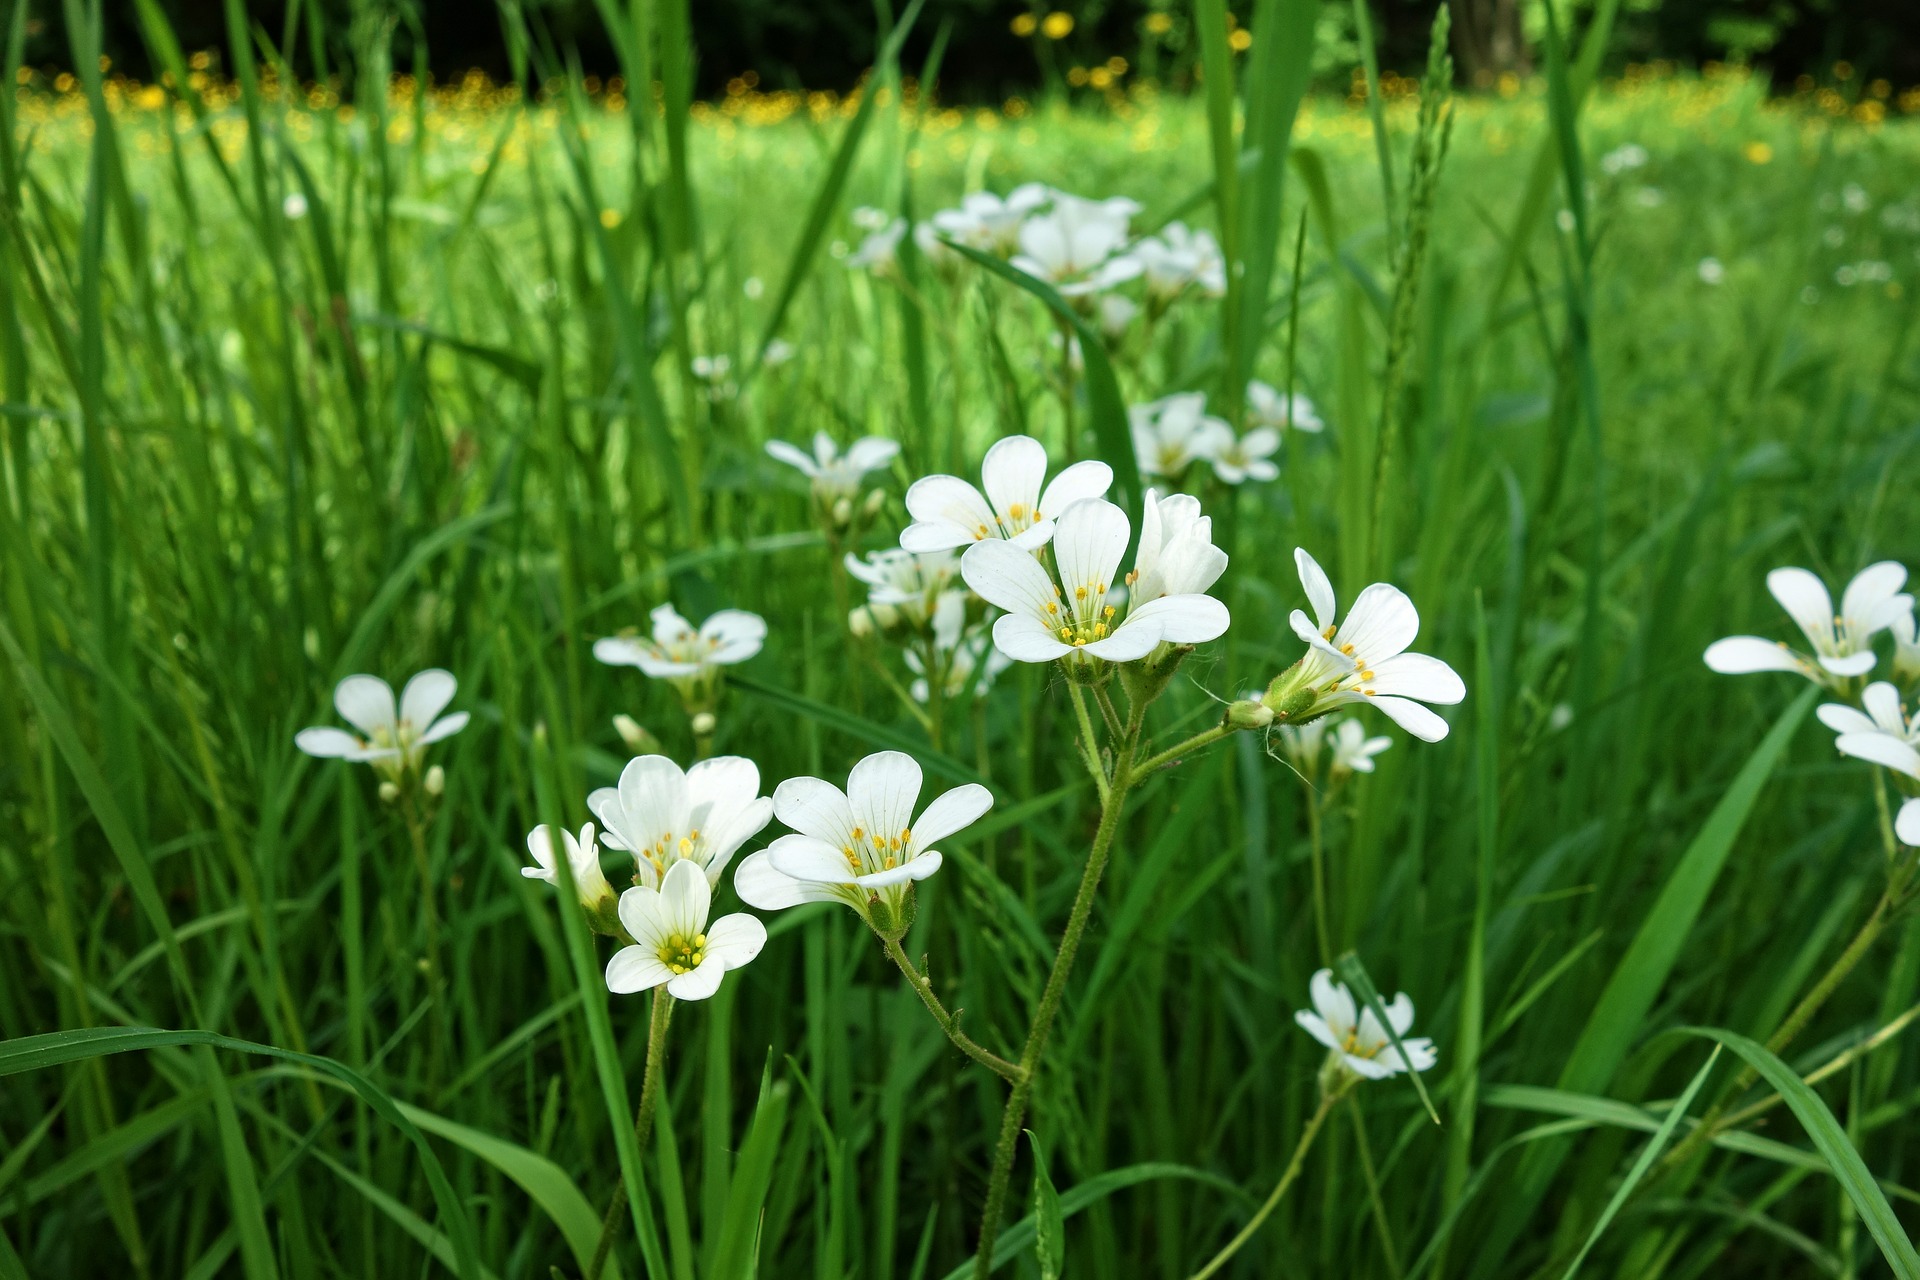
<point x="683" y="954"/>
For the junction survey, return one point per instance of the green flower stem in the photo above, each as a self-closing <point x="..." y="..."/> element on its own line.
<point x="1115" y="725"/>
<point x="1287" y="1179"/>
<point x="1087" y="748"/>
<point x="1115" y="801"/>
<point x="1174" y="753"/>
<point x="949" y="1022"/>
<point x="429" y="914"/>
<point x="642" y="1123"/>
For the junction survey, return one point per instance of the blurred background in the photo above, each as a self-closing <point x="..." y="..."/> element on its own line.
<point x="993" y="49"/>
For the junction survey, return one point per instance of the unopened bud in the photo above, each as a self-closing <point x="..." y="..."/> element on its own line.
<point x="436" y="781"/>
<point x="860" y="623"/>
<point x="638" y="740"/>
<point x="1249" y="715"/>
<point x="876" y="499"/>
<point x="389" y="792"/>
<point x="885" y="616"/>
<point x="703" y="724"/>
<point x="843" y="511"/>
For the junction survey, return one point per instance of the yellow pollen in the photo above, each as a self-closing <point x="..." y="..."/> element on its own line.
<point x="906" y="835"/>
<point x="888" y="864"/>
<point x="1328" y="633"/>
<point x="686" y="847"/>
<point x="1052" y="607"/>
<point x="1017" y="510"/>
<point x="1099" y="630"/>
<point x="1347" y="649"/>
<point x="1079" y="593"/>
<point x="1079" y="644"/>
<point x="1133" y="576"/>
<point x="1107" y="612"/>
<point x="859" y="832"/>
<point x="1066" y="633"/>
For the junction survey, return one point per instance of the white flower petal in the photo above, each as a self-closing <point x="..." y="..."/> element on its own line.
<point x="948" y="512"/>
<point x="1088" y="542"/>
<point x="912" y="869"/>
<point x="1189" y="619"/>
<point x="735" y="939"/>
<point x="804" y="858"/>
<point x="618" y="651"/>
<point x="366" y="703"/>
<point x="1319" y="589"/>
<point x="1381" y="624"/>
<point x="1853" y="664"/>
<point x="760" y="884"/>
<point x="653" y="801"/>
<point x="1843" y="719"/>
<point x="1805" y="599"/>
<point x="740" y="635"/>
<point x="1026" y="639"/>
<point x="953" y="811"/>
<point x="636" y="969"/>
<point x="815" y="807"/>
<point x="1882" y="702"/>
<point x="328" y="744"/>
<point x="685" y="897"/>
<point x="1411" y="716"/>
<point x="1012" y="473"/>
<point x="1415" y="675"/>
<point x="699" y="982"/>
<point x="1333" y="1002"/>
<point x="793" y="456"/>
<point x="426" y="696"/>
<point x="1871" y="588"/>
<point x="1082" y="480"/>
<point x="1008" y="578"/>
<point x="1316" y="1027"/>
<point x="870" y="453"/>
<point x="444" y="727"/>
<point x="1742" y="655"/>
<point x="1883" y="749"/>
<point x="1907" y="824"/>
<point x="644" y="916"/>
<point x="883" y="788"/>
<point x="1132" y="640"/>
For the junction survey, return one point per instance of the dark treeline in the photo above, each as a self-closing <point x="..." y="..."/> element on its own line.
<point x="827" y="44"/>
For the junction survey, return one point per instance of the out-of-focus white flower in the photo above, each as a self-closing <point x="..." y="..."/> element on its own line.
<point x="913" y="583"/>
<point x="862" y="846"/>
<point x="880" y="251"/>
<point x="959" y="652"/>
<point x="1364" y="659"/>
<point x="1649" y="197"/>
<point x="294" y="206"/>
<point x="1363" y="1046"/>
<point x="1906" y="648"/>
<point x="1302" y="744"/>
<point x="711" y="368"/>
<point x="1353" y="750"/>
<point x="949" y="512"/>
<point x="392" y="738"/>
<point x="678" y="650"/>
<point x="673" y="945"/>
<point x="1883" y="715"/>
<point x="834" y="474"/>
<point x="663" y="815"/>
<point x="1854" y="197"/>
<point x="1076" y="244"/>
<point x="1115" y="312"/>
<point x="1711" y="271"/>
<point x="1178" y="259"/>
<point x="778" y="352"/>
<point x="754" y="288"/>
<point x="989" y="223"/>
<point x="1248" y="457"/>
<point x="1172" y="433"/>
<point x="1906" y="824"/>
<point x="867" y="218"/>
<point x="582" y="854"/>
<point x="1072" y="619"/>
<point x="1267" y="407"/>
<point x="1623" y="158"/>
<point x="1842" y="642"/>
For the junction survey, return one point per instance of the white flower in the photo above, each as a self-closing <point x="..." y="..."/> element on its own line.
<point x="1171" y="433"/>
<point x="712" y="368"/>
<point x="664" y="816"/>
<point x="1842" y="642"/>
<point x="1250" y="457"/>
<point x="673" y="945"/>
<point x="834" y="474"/>
<point x="1267" y="407"/>
<point x="1115" y="312"/>
<point x="959" y="652"/>
<point x="1710" y="271"/>
<point x="949" y="512"/>
<point x="880" y="251"/>
<point x="1076" y="245"/>
<point x="1364" y="659"/>
<point x="679" y="651"/>
<point x="1302" y="743"/>
<point x="913" y="582"/>
<point x="582" y="854"/>
<point x="778" y="352"/>
<point x="1353" y="750"/>
<point x="1906" y="648"/>
<point x="1906" y="824"/>
<point x="1629" y="155"/>
<point x="294" y="206"/>
<point x="986" y="222"/>
<point x="394" y="738"/>
<point x="1176" y="556"/>
<point x="860" y="845"/>
<point x="1046" y="620"/>
<point x="1177" y="259"/>
<point x="1883" y="715"/>
<point x="1357" y="1036"/>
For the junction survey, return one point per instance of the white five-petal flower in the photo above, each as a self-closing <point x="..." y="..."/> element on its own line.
<point x="582" y="854"/>
<point x="1249" y="457"/>
<point x="1365" y="658"/>
<point x="1842" y="642"/>
<point x="392" y="738"/>
<point x="912" y="582"/>
<point x="664" y="816"/>
<point x="989" y="223"/>
<point x="880" y="251"/>
<point x="859" y="844"/>
<point x="679" y="650"/>
<point x="948" y="512"/>
<point x="673" y="945"/>
<point x="1076" y="244"/>
<point x="1072" y="618"/>
<point x="1177" y="259"/>
<point x="1357" y="1036"/>
<point x="1172" y="433"/>
<point x="834" y="474"/>
<point x="1267" y="407"/>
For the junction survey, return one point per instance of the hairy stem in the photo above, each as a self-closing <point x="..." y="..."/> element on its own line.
<point x="1049" y="1006"/>
<point x="642" y="1123"/>
<point x="1173" y="754"/>
<point x="949" y="1022"/>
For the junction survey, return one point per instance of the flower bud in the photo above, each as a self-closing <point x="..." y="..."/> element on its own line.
<point x="389" y="792"/>
<point x="703" y="724"/>
<point x="436" y="781"/>
<point x="876" y="499"/>
<point x="860" y="623"/>
<point x="1249" y="714"/>
<point x="638" y="740"/>
<point x="843" y="512"/>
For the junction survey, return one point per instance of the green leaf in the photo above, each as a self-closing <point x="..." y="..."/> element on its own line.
<point x="1849" y="1170"/>
<point x="1355" y="975"/>
<point x="1049" y="1228"/>
<point x="858" y="728"/>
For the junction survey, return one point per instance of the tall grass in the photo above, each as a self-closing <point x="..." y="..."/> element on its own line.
<point x="447" y="417"/>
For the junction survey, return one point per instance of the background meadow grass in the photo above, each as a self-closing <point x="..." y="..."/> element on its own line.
<point x="445" y="418"/>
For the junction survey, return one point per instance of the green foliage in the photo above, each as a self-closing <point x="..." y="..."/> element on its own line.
<point x="442" y="409"/>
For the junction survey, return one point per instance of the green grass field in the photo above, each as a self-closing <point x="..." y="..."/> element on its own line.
<point x="297" y="388"/>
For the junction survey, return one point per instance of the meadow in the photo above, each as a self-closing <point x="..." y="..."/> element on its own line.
<point x="304" y="381"/>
